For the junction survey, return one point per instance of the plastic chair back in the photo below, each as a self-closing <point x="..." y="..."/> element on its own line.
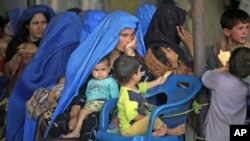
<point x="179" y="89"/>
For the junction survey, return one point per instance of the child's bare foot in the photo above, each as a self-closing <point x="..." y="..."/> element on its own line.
<point x="72" y="135"/>
<point x="161" y="131"/>
<point x="178" y="130"/>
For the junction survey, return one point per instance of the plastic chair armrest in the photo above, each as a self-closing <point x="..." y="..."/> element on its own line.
<point x="105" y="112"/>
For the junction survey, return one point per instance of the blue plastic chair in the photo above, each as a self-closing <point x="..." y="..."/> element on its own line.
<point x="179" y="89"/>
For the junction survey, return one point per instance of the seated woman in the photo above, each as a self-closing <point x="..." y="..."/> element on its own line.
<point x="162" y="42"/>
<point x="118" y="32"/>
<point x="45" y="68"/>
<point x="31" y="27"/>
<point x="164" y="53"/>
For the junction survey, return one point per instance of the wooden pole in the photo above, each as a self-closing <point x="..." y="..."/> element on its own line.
<point x="198" y="32"/>
<point x="199" y="64"/>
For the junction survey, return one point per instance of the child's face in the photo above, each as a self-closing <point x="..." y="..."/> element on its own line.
<point x="238" y="33"/>
<point x="101" y="71"/>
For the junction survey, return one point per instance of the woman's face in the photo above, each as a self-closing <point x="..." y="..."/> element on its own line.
<point x="171" y="55"/>
<point x="125" y="37"/>
<point x="36" y="27"/>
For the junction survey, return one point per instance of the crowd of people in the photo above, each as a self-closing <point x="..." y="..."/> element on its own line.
<point x="58" y="69"/>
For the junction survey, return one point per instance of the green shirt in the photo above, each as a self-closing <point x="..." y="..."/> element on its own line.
<point x="130" y="103"/>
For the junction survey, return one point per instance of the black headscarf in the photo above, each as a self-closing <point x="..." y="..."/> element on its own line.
<point x="162" y="29"/>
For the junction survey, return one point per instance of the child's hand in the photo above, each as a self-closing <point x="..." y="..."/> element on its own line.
<point x="163" y="78"/>
<point x="160" y="80"/>
<point x="224" y="57"/>
<point x="167" y="73"/>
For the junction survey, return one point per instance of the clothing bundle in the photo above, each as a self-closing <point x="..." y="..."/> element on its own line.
<point x="39" y="102"/>
<point x="158" y="69"/>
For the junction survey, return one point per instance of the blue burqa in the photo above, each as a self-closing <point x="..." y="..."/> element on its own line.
<point x="90" y="20"/>
<point x="49" y="63"/>
<point x="14" y="16"/>
<point x="145" y="14"/>
<point x="98" y="44"/>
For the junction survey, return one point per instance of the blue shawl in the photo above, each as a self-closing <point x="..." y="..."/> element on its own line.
<point x="14" y="16"/>
<point x="90" y="19"/>
<point x="98" y="44"/>
<point x="145" y="14"/>
<point x="49" y="63"/>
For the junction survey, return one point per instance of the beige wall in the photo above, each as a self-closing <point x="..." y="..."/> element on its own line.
<point x="213" y="10"/>
<point x="6" y="5"/>
<point x="127" y="5"/>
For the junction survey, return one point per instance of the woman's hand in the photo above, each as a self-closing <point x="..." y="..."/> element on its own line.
<point x="186" y="38"/>
<point x="130" y="48"/>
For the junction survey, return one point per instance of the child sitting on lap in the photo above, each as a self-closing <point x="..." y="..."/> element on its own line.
<point x="132" y="114"/>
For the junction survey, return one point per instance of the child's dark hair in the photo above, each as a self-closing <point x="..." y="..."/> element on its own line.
<point x="232" y="17"/>
<point x="239" y="62"/>
<point x="105" y="59"/>
<point x="125" y="67"/>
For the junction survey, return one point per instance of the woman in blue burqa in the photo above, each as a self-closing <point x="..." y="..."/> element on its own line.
<point x="116" y="32"/>
<point x="49" y="63"/>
